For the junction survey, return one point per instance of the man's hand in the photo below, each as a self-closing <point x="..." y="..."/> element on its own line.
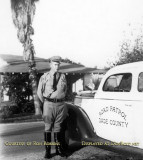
<point x="51" y="91"/>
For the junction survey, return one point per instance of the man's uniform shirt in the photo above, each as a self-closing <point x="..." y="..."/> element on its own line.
<point x="45" y="87"/>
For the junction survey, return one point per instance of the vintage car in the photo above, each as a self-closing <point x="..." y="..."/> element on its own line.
<point x="113" y="119"/>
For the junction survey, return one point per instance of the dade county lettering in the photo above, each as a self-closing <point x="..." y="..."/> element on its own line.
<point x="113" y="122"/>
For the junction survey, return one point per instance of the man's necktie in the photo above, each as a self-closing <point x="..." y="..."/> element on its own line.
<point x="55" y="82"/>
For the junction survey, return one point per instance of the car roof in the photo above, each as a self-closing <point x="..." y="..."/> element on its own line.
<point x="127" y="67"/>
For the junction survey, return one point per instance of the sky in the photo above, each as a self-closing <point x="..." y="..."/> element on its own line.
<point x="85" y="31"/>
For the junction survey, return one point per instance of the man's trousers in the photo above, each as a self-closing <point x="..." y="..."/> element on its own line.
<point x="53" y="115"/>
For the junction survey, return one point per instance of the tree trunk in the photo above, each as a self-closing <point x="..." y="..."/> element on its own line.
<point x="0" y="90"/>
<point x="34" y="84"/>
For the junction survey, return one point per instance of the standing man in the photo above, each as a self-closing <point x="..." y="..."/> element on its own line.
<point x="52" y="91"/>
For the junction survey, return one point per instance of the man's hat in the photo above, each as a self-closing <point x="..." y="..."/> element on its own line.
<point x="55" y="59"/>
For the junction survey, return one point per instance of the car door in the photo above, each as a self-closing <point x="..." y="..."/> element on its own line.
<point x="111" y="111"/>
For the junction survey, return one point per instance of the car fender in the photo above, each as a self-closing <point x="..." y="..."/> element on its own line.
<point x="78" y="124"/>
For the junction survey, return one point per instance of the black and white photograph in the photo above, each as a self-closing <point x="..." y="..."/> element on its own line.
<point x="71" y="79"/>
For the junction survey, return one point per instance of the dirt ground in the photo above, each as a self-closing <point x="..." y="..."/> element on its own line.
<point x="86" y="153"/>
<point x="94" y="153"/>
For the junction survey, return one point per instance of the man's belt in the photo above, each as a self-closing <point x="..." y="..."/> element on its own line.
<point x="54" y="100"/>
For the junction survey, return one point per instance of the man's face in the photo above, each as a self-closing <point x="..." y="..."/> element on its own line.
<point x="54" y="66"/>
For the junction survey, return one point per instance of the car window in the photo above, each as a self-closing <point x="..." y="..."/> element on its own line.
<point x="140" y="82"/>
<point x="118" y="83"/>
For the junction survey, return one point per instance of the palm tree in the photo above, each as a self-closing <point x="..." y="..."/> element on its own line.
<point x="23" y="12"/>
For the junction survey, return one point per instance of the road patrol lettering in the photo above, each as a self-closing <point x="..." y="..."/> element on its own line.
<point x="113" y="109"/>
<point x="106" y="109"/>
<point x="118" y="111"/>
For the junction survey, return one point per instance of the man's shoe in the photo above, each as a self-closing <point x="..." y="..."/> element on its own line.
<point x="59" y="149"/>
<point x="47" y="136"/>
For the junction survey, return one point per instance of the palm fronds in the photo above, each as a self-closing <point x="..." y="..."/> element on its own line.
<point x="23" y="12"/>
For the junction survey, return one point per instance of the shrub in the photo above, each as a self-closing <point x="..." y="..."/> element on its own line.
<point x="7" y="109"/>
<point x="28" y="107"/>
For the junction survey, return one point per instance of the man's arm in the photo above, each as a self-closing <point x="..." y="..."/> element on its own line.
<point x="43" y="90"/>
<point x="61" y="88"/>
<point x="40" y="90"/>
